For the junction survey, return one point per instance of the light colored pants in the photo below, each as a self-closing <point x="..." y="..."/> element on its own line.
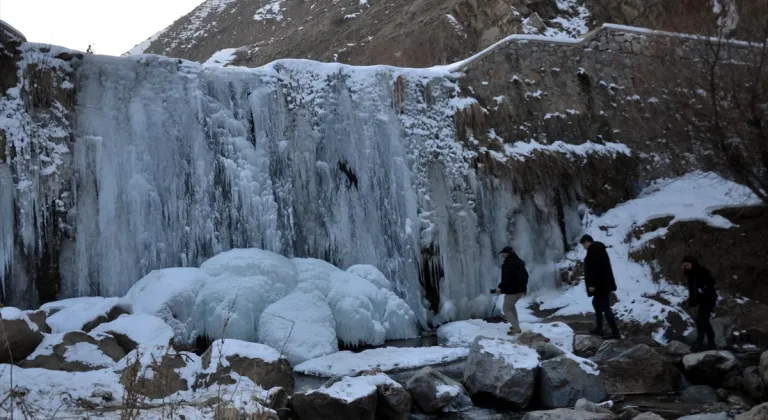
<point x="510" y="310"/>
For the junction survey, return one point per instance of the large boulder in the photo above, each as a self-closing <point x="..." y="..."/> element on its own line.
<point x="764" y="367"/>
<point x="84" y="313"/>
<point x="501" y="369"/>
<point x="75" y="351"/>
<point x="21" y="335"/>
<point x="710" y="367"/>
<point x="753" y="383"/>
<point x="132" y="331"/>
<point x="566" y="414"/>
<point x="586" y="345"/>
<point x="541" y="344"/>
<point x="676" y="350"/>
<point x="759" y="412"/>
<point x="365" y="397"/>
<point x="611" y="349"/>
<point x="262" y="364"/>
<point x="637" y="370"/>
<point x="156" y="372"/>
<point x="566" y="379"/>
<point x="699" y="394"/>
<point x="434" y="392"/>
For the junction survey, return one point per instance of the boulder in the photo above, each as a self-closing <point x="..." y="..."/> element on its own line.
<point x="565" y="379"/>
<point x="637" y="370"/>
<point x="764" y="367"/>
<point x="75" y="351"/>
<point x="133" y="330"/>
<point x="706" y="416"/>
<point x="433" y="392"/>
<point x="566" y="414"/>
<point x="753" y="383"/>
<point x="590" y="407"/>
<point x="85" y="313"/>
<point x="154" y="372"/>
<point x="586" y="345"/>
<point x="648" y="416"/>
<point x="710" y="367"/>
<point x="277" y="400"/>
<point x="501" y="369"/>
<point x="366" y="397"/>
<point x="676" y="350"/>
<point x="739" y="399"/>
<point x="263" y="365"/>
<point x="611" y="349"/>
<point x="21" y="335"/>
<point x="39" y="317"/>
<point x="541" y="344"/>
<point x="759" y="412"/>
<point x="699" y="394"/>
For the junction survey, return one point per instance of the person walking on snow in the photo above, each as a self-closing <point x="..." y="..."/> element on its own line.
<point x="514" y="284"/>
<point x="701" y="293"/>
<point x="598" y="276"/>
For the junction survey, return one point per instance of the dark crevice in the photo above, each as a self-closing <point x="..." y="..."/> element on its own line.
<point x="430" y="274"/>
<point x="351" y="175"/>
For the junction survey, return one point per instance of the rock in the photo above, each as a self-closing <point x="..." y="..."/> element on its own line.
<point x="534" y="20"/>
<point x="133" y="330"/>
<point x="566" y="414"/>
<point x="611" y="349"/>
<point x="722" y="394"/>
<point x="677" y="349"/>
<point x="84" y="314"/>
<point x="586" y="345"/>
<point x="710" y="367"/>
<point x="733" y="381"/>
<point x="501" y="369"/>
<point x="737" y="398"/>
<point x="590" y="407"/>
<point x="699" y="394"/>
<point x="764" y="367"/>
<point x="39" y="317"/>
<point x="759" y="412"/>
<point x="706" y="416"/>
<point x="637" y="370"/>
<point x="648" y="341"/>
<point x="629" y="413"/>
<point x="155" y="372"/>
<point x="75" y="351"/>
<point x="394" y="402"/>
<point x="21" y="335"/>
<point x="277" y="400"/>
<point x="648" y="416"/>
<point x="563" y="381"/>
<point x="349" y="398"/>
<point x="542" y="345"/>
<point x="263" y="365"/>
<point x="433" y="392"/>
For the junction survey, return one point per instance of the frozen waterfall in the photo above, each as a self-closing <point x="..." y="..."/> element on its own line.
<point x="174" y="163"/>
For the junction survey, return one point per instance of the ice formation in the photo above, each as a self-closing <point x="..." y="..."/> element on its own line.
<point x="173" y="162"/>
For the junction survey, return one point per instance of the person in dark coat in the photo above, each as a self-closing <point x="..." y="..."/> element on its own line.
<point x="599" y="280"/>
<point x="701" y="293"/>
<point x="514" y="284"/>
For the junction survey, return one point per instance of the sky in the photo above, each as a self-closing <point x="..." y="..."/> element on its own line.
<point x="111" y="26"/>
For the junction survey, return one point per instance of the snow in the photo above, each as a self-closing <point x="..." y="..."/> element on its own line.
<point x="451" y="390"/>
<point x="45" y="348"/>
<point x="517" y="356"/>
<point x="463" y="333"/>
<point x="144" y="45"/>
<point x="143" y="329"/>
<point x="586" y="365"/>
<point x="222" y="349"/>
<point x="372" y="274"/>
<point x="9" y="313"/>
<point x="88" y="354"/>
<point x="74" y="313"/>
<point x="520" y="150"/>
<point x="273" y="10"/>
<point x="386" y="359"/>
<point x="221" y="58"/>
<point x="301" y="325"/>
<point x="352" y="388"/>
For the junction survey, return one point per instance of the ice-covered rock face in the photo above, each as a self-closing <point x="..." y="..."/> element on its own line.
<point x="176" y="163"/>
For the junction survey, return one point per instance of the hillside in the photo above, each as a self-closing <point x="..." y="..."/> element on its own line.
<point x="416" y="33"/>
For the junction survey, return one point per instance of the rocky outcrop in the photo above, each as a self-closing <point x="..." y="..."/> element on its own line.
<point x="637" y="370"/>
<point x="563" y="381"/>
<point x="21" y="336"/>
<point x="434" y="392"/>
<point x="501" y="369"/>
<point x="75" y="351"/>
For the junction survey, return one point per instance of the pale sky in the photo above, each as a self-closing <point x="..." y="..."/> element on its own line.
<point x="112" y="26"/>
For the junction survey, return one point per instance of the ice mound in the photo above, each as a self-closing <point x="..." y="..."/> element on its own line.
<point x="299" y="306"/>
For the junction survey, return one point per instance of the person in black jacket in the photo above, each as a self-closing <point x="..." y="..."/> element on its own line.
<point x="599" y="280"/>
<point x="701" y="293"/>
<point x="514" y="284"/>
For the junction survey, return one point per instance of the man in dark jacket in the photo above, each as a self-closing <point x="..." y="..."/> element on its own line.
<point x="701" y="293"/>
<point x="598" y="276"/>
<point x="514" y="284"/>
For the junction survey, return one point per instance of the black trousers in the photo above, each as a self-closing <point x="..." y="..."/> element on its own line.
<point x="703" y="326"/>
<point x="602" y="304"/>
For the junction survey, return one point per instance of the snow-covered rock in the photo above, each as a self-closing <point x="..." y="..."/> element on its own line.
<point x="586" y="345"/>
<point x="75" y="351"/>
<point x="260" y="363"/>
<point x="566" y="379"/>
<point x="711" y="366"/>
<point x="39" y="317"/>
<point x="637" y="370"/>
<point x="302" y="324"/>
<point x="84" y="313"/>
<point x="21" y="335"/>
<point x="132" y="331"/>
<point x="502" y="369"/>
<point x="385" y="359"/>
<point x="463" y="333"/>
<point x="434" y="392"/>
<point x="157" y="372"/>
<point x="542" y="345"/>
<point x="353" y="398"/>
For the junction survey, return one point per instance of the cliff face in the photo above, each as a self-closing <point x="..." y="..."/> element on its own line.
<point x="420" y="33"/>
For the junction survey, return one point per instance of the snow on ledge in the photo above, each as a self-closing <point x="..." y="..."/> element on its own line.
<point x="386" y="359"/>
<point x="521" y="150"/>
